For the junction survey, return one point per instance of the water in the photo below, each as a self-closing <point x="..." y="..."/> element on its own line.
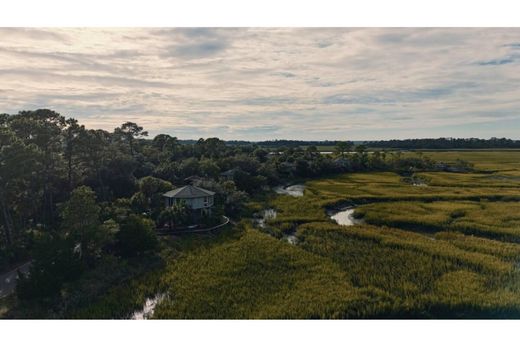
<point x="295" y="190"/>
<point x="271" y="214"/>
<point x="346" y="217"/>
<point x="148" y="308"/>
<point x="265" y="215"/>
<point x="291" y="239"/>
<point x="417" y="181"/>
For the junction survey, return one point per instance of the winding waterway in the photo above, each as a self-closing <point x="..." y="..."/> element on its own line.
<point x="295" y="190"/>
<point x="148" y="308"/>
<point x="346" y="217"/>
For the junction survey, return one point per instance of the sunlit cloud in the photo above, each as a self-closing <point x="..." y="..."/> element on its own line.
<point x="252" y="83"/>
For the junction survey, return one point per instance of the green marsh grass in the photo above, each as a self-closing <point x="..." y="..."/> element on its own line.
<point x="495" y="220"/>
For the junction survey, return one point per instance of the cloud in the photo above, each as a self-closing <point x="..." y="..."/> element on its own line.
<point x="33" y="34"/>
<point x="197" y="50"/>
<point x="195" y="43"/>
<point x="260" y="83"/>
<point x="501" y="61"/>
<point x="284" y="74"/>
<point x="513" y="45"/>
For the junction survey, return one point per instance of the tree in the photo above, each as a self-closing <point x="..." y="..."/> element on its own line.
<point x="189" y="167"/>
<point x="342" y="147"/>
<point x="235" y="202"/>
<point x="82" y="225"/>
<point x="312" y="151"/>
<point x="129" y="132"/>
<point x="55" y="262"/>
<point x="261" y="154"/>
<point x="43" y="128"/>
<point x="302" y="168"/>
<point x="136" y="236"/>
<point x="174" y="215"/>
<point x="150" y="193"/>
<point x="18" y="163"/>
<point x="93" y="154"/>
<point x="211" y="147"/>
<point x="361" y="149"/>
<point x="360" y="158"/>
<point x="71" y="137"/>
<point x="209" y="168"/>
<point x="247" y="182"/>
<point x="80" y="211"/>
<point x="167" y="145"/>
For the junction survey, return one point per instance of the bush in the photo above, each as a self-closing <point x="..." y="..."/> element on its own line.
<point x="136" y="236"/>
<point x="55" y="262"/>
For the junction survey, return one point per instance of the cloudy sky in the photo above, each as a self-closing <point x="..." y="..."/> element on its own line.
<point x="315" y="84"/>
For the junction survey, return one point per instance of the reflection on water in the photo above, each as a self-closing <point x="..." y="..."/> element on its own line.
<point x="264" y="216"/>
<point x="419" y="184"/>
<point x="148" y="308"/>
<point x="292" y="239"/>
<point x="295" y="190"/>
<point x="346" y="217"/>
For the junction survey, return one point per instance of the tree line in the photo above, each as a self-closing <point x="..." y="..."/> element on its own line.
<point x="446" y="143"/>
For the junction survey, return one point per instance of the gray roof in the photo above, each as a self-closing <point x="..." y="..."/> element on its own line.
<point x="187" y="192"/>
<point x="228" y="172"/>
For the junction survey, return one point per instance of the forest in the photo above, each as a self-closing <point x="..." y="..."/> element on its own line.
<point x="446" y="143"/>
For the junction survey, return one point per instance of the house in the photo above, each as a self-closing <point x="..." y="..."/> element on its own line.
<point x="194" y="180"/>
<point x="229" y="174"/>
<point x="197" y="199"/>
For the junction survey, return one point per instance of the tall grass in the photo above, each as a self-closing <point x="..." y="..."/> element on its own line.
<point x="425" y="278"/>
<point x="496" y="220"/>
<point x="260" y="277"/>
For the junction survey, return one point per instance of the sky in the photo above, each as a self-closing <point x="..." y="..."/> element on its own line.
<point x="270" y="83"/>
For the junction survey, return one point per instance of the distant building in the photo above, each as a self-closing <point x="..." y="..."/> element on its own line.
<point x="229" y="174"/>
<point x="195" y="198"/>
<point x="193" y="180"/>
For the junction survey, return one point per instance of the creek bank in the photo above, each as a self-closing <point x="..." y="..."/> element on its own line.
<point x="263" y="216"/>
<point x="148" y="308"/>
<point x="294" y="190"/>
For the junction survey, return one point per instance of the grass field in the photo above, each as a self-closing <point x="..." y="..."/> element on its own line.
<point x="495" y="220"/>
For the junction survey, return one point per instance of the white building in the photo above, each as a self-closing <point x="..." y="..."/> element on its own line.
<point x="195" y="198"/>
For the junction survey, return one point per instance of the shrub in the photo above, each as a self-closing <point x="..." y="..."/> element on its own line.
<point x="136" y="236"/>
<point x="55" y="262"/>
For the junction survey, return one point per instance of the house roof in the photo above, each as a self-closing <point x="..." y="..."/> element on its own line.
<point x="228" y="172"/>
<point x="188" y="192"/>
<point x="192" y="178"/>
